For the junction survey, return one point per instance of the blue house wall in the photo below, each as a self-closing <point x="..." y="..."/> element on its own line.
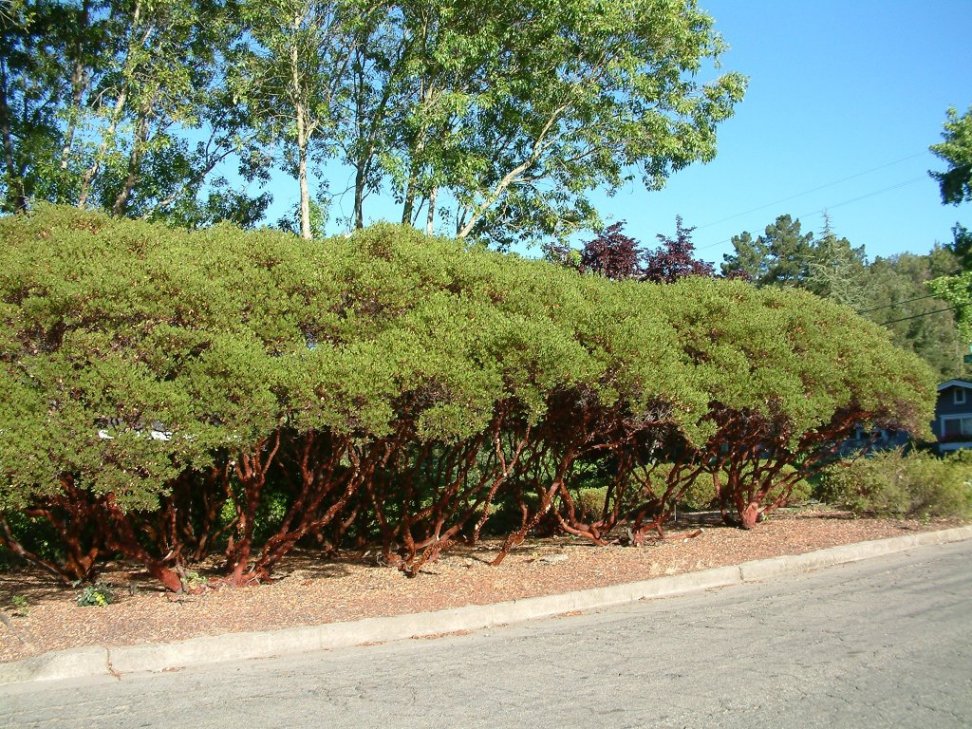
<point x="953" y="415"/>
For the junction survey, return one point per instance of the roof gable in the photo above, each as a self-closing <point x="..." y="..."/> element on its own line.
<point x="965" y="384"/>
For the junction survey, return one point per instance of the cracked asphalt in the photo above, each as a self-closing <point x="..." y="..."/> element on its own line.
<point x="886" y="642"/>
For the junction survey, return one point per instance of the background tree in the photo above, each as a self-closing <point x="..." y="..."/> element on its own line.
<point x="612" y="254"/>
<point x="891" y="291"/>
<point x="123" y="105"/>
<point x="957" y="291"/>
<point x="836" y="270"/>
<point x="956" y="150"/>
<point x="956" y="187"/>
<point x="617" y="255"/>
<point x="289" y="68"/>
<point x="49" y="56"/>
<point x="593" y="91"/>
<point x="781" y="256"/>
<point x="897" y="297"/>
<point x="507" y="115"/>
<point x="961" y="245"/>
<point x="674" y="259"/>
<point x="493" y="119"/>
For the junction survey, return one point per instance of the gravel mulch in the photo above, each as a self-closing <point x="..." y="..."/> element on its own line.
<point x="310" y="591"/>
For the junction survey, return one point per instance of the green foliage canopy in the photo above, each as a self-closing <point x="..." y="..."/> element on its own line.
<point x="497" y="119"/>
<point x="155" y="377"/>
<point x="889" y="291"/>
<point x="956" y="150"/>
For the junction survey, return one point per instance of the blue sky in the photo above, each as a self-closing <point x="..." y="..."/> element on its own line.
<point x="837" y="90"/>
<point x="844" y="99"/>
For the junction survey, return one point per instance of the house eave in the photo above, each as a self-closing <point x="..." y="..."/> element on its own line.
<point x="965" y="384"/>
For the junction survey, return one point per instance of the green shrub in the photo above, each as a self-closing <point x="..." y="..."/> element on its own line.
<point x="701" y="495"/>
<point x="890" y="483"/>
<point x="801" y="492"/>
<point x="505" y="514"/>
<point x="35" y="534"/>
<point x="589" y="503"/>
<point x="385" y="378"/>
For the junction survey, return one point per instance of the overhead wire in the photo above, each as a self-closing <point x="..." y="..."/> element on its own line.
<point x="829" y="207"/>
<point x="836" y="205"/>
<point x="916" y="316"/>
<point x="811" y="190"/>
<point x="898" y="303"/>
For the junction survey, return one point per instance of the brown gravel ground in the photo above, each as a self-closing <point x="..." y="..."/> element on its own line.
<point x="310" y="591"/>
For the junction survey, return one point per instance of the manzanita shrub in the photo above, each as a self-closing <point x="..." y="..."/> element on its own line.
<point x="167" y="396"/>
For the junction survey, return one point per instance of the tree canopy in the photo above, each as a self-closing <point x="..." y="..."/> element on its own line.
<point x="956" y="150"/>
<point x="618" y="256"/>
<point x="892" y="291"/>
<point x="956" y="188"/>
<point x="491" y="120"/>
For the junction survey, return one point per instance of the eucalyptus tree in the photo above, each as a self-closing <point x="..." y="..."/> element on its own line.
<point x="576" y="96"/>
<point x="502" y="117"/>
<point x="290" y="68"/>
<point x="49" y="55"/>
<point x="164" y="78"/>
<point x="419" y="71"/>
<point x="122" y="104"/>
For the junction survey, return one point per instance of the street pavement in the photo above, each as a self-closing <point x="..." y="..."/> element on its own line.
<point x="885" y="642"/>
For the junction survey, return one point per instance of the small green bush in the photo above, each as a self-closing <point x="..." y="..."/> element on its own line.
<point x="505" y="513"/>
<point x="97" y="595"/>
<point x="36" y="535"/>
<point x="590" y="503"/>
<point x="891" y="483"/>
<point x="20" y="605"/>
<point x="801" y="492"/>
<point x="700" y="496"/>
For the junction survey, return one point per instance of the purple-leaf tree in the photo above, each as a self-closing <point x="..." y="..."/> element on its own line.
<point x="613" y="254"/>
<point x="674" y="259"/>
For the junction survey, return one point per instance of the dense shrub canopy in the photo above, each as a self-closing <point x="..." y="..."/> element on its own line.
<point x="164" y="387"/>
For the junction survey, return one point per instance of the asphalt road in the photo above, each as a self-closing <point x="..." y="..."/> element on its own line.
<point x="882" y="643"/>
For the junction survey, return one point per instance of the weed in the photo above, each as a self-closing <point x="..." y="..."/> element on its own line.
<point x="193" y="581"/>
<point x="97" y="595"/>
<point x="21" y="608"/>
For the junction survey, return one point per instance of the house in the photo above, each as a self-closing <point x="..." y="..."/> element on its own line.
<point x="953" y="415"/>
<point x="874" y="439"/>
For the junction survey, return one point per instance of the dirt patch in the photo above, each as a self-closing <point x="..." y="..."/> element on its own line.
<point x="310" y="591"/>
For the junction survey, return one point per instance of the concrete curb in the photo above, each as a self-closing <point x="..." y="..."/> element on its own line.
<point x="116" y="660"/>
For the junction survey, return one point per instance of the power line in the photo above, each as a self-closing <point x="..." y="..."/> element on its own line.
<point x="870" y="194"/>
<point x="830" y="207"/>
<point x="916" y="316"/>
<point x="815" y="189"/>
<point x="898" y="303"/>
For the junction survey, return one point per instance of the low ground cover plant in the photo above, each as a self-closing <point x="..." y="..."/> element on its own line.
<point x="167" y="396"/>
<point x="902" y="484"/>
